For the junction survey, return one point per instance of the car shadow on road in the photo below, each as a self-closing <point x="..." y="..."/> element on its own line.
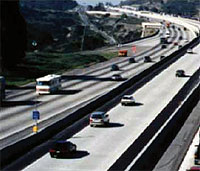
<point x="19" y="103"/>
<point x="84" y="77"/>
<point x="186" y="76"/>
<point x="122" y="79"/>
<point x="110" y="125"/>
<point x="66" y="92"/>
<point x="134" y="104"/>
<point x="10" y="87"/>
<point x="77" y="155"/>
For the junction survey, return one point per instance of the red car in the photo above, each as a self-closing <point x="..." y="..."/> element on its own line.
<point x="62" y="148"/>
<point x="194" y="168"/>
<point x="175" y="43"/>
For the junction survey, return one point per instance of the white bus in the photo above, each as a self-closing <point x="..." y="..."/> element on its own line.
<point x="48" y="84"/>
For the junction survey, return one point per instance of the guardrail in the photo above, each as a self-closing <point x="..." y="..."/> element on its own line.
<point x="14" y="151"/>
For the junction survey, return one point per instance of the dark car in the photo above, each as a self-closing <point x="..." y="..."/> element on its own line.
<point x="147" y="59"/>
<point x="180" y="73"/>
<point x="163" y="46"/>
<point x="197" y="156"/>
<point x="62" y="148"/>
<point x="162" y="57"/>
<point x="114" y="67"/>
<point x="175" y="43"/>
<point x="131" y="60"/>
<point x="180" y="38"/>
<point x="180" y="46"/>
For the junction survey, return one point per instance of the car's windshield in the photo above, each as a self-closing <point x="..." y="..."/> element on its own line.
<point x="96" y="116"/>
<point x="43" y="83"/>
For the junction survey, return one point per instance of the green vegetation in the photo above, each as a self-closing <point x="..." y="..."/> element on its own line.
<point x="42" y="63"/>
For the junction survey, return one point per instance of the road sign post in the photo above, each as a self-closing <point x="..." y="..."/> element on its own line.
<point x="36" y="117"/>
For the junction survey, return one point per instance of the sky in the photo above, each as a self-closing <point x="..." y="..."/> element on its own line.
<point x="94" y="2"/>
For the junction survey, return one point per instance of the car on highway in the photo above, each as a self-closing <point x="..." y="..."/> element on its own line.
<point x="162" y="57"/>
<point x="114" y="67"/>
<point x="189" y="50"/>
<point x="180" y="73"/>
<point x="175" y="43"/>
<point x="194" y="168"/>
<point x="181" y="38"/>
<point x="197" y="155"/>
<point x="163" y="46"/>
<point x="62" y="148"/>
<point x="131" y="60"/>
<point x="127" y="99"/>
<point x="99" y="118"/>
<point x="147" y="59"/>
<point x="186" y="41"/>
<point x="119" y="45"/>
<point x="116" y="77"/>
<point x="180" y="46"/>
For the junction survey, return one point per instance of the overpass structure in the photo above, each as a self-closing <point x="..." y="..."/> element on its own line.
<point x="194" y="27"/>
<point x="146" y="26"/>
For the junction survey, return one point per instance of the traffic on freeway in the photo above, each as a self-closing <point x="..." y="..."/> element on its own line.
<point x="129" y="92"/>
<point x="125" y="123"/>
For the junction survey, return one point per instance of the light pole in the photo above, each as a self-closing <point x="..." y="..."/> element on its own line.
<point x="83" y="38"/>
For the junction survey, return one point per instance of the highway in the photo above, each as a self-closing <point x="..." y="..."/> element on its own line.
<point x="76" y="92"/>
<point x="189" y="158"/>
<point x="102" y="146"/>
<point x="99" y="148"/>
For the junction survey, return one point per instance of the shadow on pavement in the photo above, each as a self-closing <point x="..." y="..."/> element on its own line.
<point x="19" y="103"/>
<point x="78" y="154"/>
<point x="110" y="125"/>
<point x="20" y="88"/>
<point x="84" y="77"/>
<point x="65" y="92"/>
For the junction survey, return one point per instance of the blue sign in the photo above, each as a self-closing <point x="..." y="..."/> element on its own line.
<point x="36" y="115"/>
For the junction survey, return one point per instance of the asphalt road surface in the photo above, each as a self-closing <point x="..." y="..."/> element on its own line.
<point x="100" y="147"/>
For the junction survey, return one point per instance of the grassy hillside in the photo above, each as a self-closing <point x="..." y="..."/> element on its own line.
<point x="42" y="63"/>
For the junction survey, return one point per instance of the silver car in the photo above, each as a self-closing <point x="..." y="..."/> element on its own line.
<point x="127" y="99"/>
<point x="99" y="118"/>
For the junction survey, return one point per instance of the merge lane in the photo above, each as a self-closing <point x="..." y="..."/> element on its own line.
<point x="105" y="145"/>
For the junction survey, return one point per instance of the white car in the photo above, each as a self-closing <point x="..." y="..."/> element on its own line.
<point x="99" y="118"/>
<point x="189" y="50"/>
<point x="127" y="99"/>
<point x="116" y="77"/>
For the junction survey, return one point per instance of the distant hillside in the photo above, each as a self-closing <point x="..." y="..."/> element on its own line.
<point x="180" y="7"/>
<point x="56" y="26"/>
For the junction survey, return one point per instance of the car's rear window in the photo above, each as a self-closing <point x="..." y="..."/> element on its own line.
<point x="62" y="145"/>
<point x="95" y="116"/>
<point x="127" y="97"/>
